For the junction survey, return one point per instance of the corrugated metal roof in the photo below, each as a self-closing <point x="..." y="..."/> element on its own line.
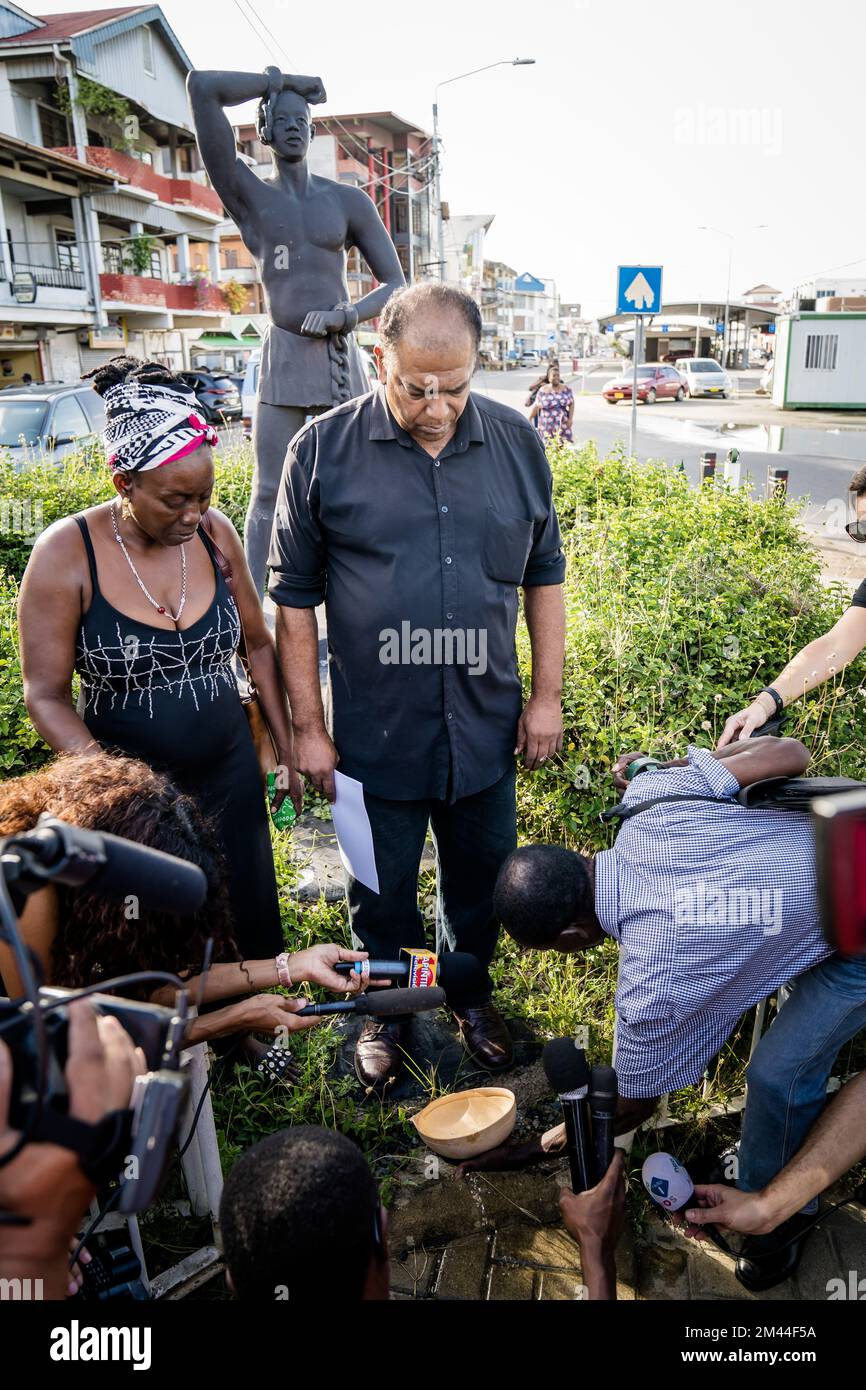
<point x="65" y="26"/>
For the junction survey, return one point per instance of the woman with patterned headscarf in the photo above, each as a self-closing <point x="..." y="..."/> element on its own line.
<point x="131" y="595"/>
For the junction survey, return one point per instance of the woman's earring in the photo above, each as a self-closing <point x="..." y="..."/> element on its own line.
<point x="125" y="508"/>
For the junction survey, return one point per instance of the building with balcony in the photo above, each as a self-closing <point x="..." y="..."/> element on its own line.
<point x="536" y="314"/>
<point x="497" y="314"/>
<point x="103" y="92"/>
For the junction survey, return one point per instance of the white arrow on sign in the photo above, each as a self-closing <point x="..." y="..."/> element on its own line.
<point x="640" y="291"/>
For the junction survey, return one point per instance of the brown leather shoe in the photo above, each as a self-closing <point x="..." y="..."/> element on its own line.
<point x="485" y="1037"/>
<point x="378" y="1059"/>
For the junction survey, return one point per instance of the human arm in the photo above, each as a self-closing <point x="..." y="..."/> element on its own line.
<point x="261" y="654"/>
<point x="816" y="663"/>
<point x="570" y="407"/>
<point x="274" y="1014"/>
<point x="227" y="979"/>
<point x="595" y="1220"/>
<point x="49" y="615"/>
<point x="44" y="1185"/>
<point x="756" y="760"/>
<point x="539" y="730"/>
<point x="298" y="582"/>
<point x="833" y="1145"/>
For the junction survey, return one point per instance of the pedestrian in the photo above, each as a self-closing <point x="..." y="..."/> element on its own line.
<point x="414" y="514"/>
<point x="553" y="407"/>
<point x="130" y="595"/>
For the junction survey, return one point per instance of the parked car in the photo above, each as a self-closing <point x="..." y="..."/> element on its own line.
<point x="248" y="392"/>
<point x="217" y="395"/>
<point x="704" y="376"/>
<point x="49" y="419"/>
<point x="530" y="358"/>
<point x="654" y="382"/>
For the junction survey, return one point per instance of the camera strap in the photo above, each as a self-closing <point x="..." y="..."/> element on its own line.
<point x="101" y="1148"/>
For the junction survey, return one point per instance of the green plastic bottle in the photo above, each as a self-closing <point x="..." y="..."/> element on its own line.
<point x="285" y="816"/>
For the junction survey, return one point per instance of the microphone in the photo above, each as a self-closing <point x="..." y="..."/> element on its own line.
<point x="670" y="1186"/>
<point x="603" y="1093"/>
<point x="61" y="853"/>
<point x="381" y="1004"/>
<point x="459" y="973"/>
<point x="566" y="1069"/>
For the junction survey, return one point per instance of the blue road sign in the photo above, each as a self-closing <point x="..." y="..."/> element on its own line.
<point x="639" y="289"/>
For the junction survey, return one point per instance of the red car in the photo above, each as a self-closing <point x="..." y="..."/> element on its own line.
<point x="653" y="382"/>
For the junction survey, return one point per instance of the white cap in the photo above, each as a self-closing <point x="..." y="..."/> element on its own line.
<point x="667" y="1182"/>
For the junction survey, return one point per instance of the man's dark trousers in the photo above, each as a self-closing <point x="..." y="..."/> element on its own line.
<point x="473" y="836"/>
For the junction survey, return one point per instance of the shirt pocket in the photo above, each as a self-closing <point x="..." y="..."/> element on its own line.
<point x="507" y="543"/>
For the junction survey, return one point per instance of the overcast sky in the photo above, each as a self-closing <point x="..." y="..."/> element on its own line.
<point x="638" y="123"/>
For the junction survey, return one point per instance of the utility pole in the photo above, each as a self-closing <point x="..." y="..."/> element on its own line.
<point x="437" y="173"/>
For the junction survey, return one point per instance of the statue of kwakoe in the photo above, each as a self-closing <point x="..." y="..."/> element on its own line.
<point x="298" y="226"/>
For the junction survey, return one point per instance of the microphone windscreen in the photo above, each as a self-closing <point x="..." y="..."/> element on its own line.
<point x="667" y="1181"/>
<point x="565" y="1066"/>
<point x="603" y="1090"/>
<point x="462" y="975"/>
<point x="383" y="1002"/>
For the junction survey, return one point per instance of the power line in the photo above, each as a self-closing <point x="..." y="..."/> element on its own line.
<point x="269" y="31"/>
<point x="259" y="36"/>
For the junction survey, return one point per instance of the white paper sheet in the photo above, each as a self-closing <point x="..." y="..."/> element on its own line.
<point x="352" y="827"/>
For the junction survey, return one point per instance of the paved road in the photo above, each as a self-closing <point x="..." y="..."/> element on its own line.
<point x="820" y="456"/>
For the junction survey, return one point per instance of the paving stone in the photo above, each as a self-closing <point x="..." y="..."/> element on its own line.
<point x="847" y="1229"/>
<point x="509" y="1282"/>
<point x="711" y="1275"/>
<point x="548" y="1246"/>
<point x="562" y="1286"/>
<point x="463" y="1267"/>
<point x="663" y="1273"/>
<point x="826" y="1258"/>
<point x="414" y="1272"/>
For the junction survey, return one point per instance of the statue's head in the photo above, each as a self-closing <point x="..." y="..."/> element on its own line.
<point x="284" y="122"/>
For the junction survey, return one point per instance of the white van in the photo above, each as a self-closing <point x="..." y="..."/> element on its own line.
<point x="248" y="392"/>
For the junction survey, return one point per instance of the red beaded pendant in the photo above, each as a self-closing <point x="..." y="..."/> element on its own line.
<point x="160" y="610"/>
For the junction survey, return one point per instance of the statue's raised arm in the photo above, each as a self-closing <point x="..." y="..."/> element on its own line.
<point x="209" y="93"/>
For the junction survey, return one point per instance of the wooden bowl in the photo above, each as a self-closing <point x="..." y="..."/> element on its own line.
<point x="467" y="1123"/>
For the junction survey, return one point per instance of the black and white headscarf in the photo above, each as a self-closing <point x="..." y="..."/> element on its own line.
<point x="149" y="425"/>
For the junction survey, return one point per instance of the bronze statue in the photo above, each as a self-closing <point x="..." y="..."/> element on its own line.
<point x="298" y="226"/>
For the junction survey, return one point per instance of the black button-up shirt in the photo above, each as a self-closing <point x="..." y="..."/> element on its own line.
<point x="418" y="561"/>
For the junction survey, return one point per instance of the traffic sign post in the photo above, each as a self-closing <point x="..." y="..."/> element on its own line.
<point x="638" y="292"/>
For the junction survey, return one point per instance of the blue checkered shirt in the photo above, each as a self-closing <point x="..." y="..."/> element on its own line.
<point x="714" y="907"/>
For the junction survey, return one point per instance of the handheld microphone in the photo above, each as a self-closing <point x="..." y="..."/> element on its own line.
<point x="381" y="1004"/>
<point x="670" y="1186"/>
<point x="603" y="1095"/>
<point x="459" y="973"/>
<point x="566" y="1069"/>
<point x="60" y="853"/>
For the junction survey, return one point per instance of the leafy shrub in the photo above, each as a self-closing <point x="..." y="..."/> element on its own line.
<point x="21" y="748"/>
<point x="680" y="604"/>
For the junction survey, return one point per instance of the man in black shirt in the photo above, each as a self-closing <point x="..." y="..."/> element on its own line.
<point x="414" y="514"/>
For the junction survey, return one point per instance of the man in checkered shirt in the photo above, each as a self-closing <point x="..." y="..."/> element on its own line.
<point x="714" y="907"/>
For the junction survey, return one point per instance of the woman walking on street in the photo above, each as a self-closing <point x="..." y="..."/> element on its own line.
<point x="554" y="407"/>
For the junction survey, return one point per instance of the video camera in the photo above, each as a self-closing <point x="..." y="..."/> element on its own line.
<point x="133" y="1145"/>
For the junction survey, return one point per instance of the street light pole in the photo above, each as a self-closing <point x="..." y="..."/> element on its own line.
<point x="437" y="143"/>
<point x="760" y="227"/>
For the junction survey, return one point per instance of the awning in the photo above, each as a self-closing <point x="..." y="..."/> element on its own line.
<point x="225" y="340"/>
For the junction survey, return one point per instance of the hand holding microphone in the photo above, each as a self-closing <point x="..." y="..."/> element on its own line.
<point x="670" y="1187"/>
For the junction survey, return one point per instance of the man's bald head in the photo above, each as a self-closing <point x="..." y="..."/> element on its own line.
<point x="431" y="316"/>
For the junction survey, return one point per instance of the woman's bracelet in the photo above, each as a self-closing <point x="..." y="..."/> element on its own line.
<point x="778" y="702"/>
<point x="283" y="974"/>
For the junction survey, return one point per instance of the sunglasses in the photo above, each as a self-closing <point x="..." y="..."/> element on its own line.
<point x="857" y="530"/>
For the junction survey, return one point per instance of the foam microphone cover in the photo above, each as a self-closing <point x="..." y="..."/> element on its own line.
<point x="462" y="975"/>
<point x="384" y="1002"/>
<point x="667" y="1181"/>
<point x="565" y="1066"/>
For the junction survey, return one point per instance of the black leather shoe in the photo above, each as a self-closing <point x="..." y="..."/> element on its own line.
<point x="378" y="1059"/>
<point x="765" y="1261"/>
<point x="485" y="1037"/>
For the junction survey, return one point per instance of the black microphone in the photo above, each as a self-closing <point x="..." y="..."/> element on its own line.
<point x="566" y="1069"/>
<point x="381" y="1004"/>
<point x="59" y="853"/>
<point x="603" y="1095"/>
<point x="459" y="973"/>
